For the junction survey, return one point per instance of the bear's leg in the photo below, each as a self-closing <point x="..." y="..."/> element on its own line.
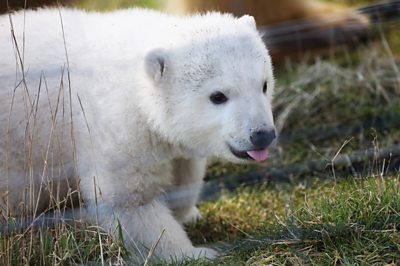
<point x="142" y="227"/>
<point x="188" y="180"/>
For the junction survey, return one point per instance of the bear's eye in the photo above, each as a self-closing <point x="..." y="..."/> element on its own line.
<point x="218" y="98"/>
<point x="265" y="87"/>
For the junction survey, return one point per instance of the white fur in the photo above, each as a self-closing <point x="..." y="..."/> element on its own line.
<point x="140" y="120"/>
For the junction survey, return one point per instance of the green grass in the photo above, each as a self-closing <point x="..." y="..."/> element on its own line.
<point x="313" y="222"/>
<point x="352" y="222"/>
<point x="62" y="244"/>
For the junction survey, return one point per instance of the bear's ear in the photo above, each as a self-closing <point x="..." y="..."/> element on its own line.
<point x="249" y="20"/>
<point x="156" y="63"/>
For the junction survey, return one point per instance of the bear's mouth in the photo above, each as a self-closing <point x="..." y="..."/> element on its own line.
<point x="253" y="155"/>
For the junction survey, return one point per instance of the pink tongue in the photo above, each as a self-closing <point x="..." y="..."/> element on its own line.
<point x="258" y="155"/>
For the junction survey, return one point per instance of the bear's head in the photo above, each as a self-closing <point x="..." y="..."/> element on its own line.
<point x="214" y="89"/>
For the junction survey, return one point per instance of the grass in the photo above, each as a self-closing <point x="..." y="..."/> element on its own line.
<point x="353" y="222"/>
<point x="312" y="222"/>
<point x="60" y="244"/>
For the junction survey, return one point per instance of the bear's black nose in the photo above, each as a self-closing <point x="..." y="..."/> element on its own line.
<point x="261" y="139"/>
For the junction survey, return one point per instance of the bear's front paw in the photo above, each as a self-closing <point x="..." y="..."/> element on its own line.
<point x="206" y="253"/>
<point x="191" y="254"/>
<point x="192" y="216"/>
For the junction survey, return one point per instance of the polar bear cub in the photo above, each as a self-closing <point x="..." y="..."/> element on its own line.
<point x="124" y="106"/>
